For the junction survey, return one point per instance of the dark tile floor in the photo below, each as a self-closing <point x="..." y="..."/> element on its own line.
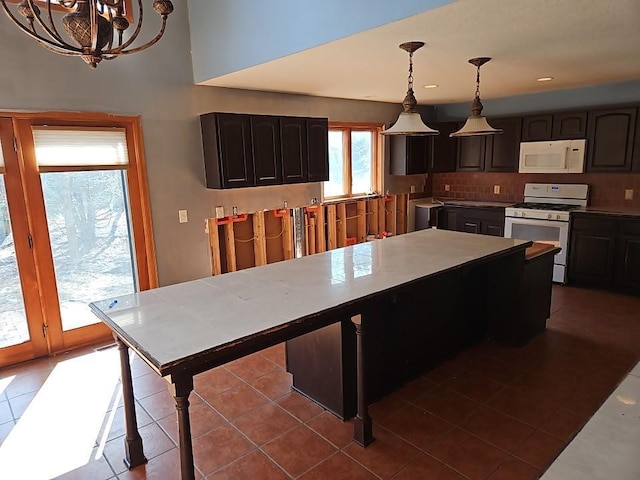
<point x="490" y="413"/>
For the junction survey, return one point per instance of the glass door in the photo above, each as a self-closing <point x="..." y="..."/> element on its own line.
<point x="82" y="173"/>
<point x="21" y="335"/>
<point x="74" y="228"/>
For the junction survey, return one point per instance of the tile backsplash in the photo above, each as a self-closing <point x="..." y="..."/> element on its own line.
<point x="605" y="189"/>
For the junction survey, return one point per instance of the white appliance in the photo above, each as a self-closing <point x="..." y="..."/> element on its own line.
<point x="544" y="217"/>
<point x="559" y="156"/>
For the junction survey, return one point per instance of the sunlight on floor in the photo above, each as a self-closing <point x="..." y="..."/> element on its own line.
<point x="4" y="383"/>
<point x="73" y="404"/>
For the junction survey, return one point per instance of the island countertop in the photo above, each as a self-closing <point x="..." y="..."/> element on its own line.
<point x="172" y="324"/>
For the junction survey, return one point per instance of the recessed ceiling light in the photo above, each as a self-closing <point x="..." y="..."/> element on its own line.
<point x="431" y="85"/>
<point x="544" y="79"/>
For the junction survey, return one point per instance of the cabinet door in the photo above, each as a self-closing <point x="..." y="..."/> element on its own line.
<point x="318" y="157"/>
<point x="636" y="149"/>
<point x="591" y="251"/>
<point x="628" y="255"/>
<point x="267" y="160"/>
<point x="569" y="126"/>
<point x="503" y="149"/>
<point x="610" y="140"/>
<point x="448" y="219"/>
<point x="293" y="135"/>
<point x="234" y="150"/>
<point x="537" y="128"/>
<point x="471" y="152"/>
<point x="408" y="155"/>
<point x="417" y="148"/>
<point x="444" y="149"/>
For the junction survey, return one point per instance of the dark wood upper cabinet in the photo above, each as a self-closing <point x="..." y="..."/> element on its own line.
<point x="409" y="155"/>
<point x="636" y="149"/>
<point x="293" y="132"/>
<point x="537" y="128"/>
<point x="471" y="151"/>
<point x="444" y="149"/>
<point x="267" y="157"/>
<point x="255" y="150"/>
<point x="610" y="136"/>
<point x="503" y="150"/>
<point x="227" y="150"/>
<point x="569" y="126"/>
<point x="556" y="126"/>
<point x="318" y="149"/>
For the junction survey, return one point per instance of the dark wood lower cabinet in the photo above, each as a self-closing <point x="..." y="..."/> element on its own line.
<point x="627" y="266"/>
<point x="605" y="252"/>
<point x="482" y="220"/>
<point x="415" y="329"/>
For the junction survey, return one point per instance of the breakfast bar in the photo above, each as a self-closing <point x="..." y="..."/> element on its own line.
<point x="185" y="329"/>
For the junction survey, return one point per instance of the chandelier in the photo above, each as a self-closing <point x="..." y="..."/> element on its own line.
<point x="96" y="27"/>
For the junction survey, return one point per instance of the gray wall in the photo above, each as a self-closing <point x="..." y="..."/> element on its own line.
<point x="230" y="35"/>
<point x="593" y="96"/>
<point x="157" y="84"/>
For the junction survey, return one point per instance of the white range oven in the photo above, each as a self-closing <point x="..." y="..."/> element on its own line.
<point x="544" y="217"/>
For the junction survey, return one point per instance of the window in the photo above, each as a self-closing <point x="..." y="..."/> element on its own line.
<point x="354" y="160"/>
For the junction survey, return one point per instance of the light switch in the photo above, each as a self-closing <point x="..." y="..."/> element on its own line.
<point x="219" y="212"/>
<point x="447" y="188"/>
<point x="628" y="194"/>
<point x="182" y="216"/>
<point x="496" y="189"/>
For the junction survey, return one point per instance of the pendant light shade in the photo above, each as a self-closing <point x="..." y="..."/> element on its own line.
<point x="476" y="124"/>
<point x="409" y="122"/>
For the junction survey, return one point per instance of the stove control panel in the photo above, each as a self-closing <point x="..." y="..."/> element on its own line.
<point x="531" y="214"/>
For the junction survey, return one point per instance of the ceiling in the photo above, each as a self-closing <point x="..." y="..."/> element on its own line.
<point x="578" y="42"/>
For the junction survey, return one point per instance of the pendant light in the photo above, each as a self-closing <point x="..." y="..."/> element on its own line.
<point x="476" y="124"/>
<point x="409" y="122"/>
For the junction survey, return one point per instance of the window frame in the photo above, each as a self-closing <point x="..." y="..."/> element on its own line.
<point x="376" y="162"/>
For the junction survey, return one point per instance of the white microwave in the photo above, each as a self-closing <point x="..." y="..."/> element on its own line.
<point x="558" y="156"/>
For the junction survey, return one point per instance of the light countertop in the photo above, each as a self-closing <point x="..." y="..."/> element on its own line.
<point x="172" y="323"/>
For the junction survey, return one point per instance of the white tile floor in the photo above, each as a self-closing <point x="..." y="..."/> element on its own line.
<point x="607" y="448"/>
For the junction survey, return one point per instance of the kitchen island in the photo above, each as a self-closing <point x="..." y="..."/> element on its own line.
<point x="185" y="329"/>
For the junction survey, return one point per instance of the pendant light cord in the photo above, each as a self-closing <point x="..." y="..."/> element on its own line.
<point x="478" y="82"/>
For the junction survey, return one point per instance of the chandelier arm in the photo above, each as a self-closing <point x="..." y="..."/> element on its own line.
<point x="59" y="50"/>
<point x="36" y="36"/>
<point x="134" y="35"/>
<point x="53" y="33"/>
<point x="93" y="15"/>
<point x="150" y="43"/>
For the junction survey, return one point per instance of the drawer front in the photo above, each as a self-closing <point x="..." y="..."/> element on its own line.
<point x="592" y="222"/>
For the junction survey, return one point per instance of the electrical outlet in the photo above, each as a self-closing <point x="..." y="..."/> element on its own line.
<point x="496" y="189"/>
<point x="285" y="204"/>
<point x="234" y="209"/>
<point x="219" y="212"/>
<point x="182" y="216"/>
<point x="413" y="189"/>
<point x="628" y="194"/>
<point x="447" y="188"/>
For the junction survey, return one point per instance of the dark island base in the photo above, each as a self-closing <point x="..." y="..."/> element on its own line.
<point x="416" y="328"/>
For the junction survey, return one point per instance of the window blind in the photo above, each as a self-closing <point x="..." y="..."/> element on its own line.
<point x="75" y="147"/>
